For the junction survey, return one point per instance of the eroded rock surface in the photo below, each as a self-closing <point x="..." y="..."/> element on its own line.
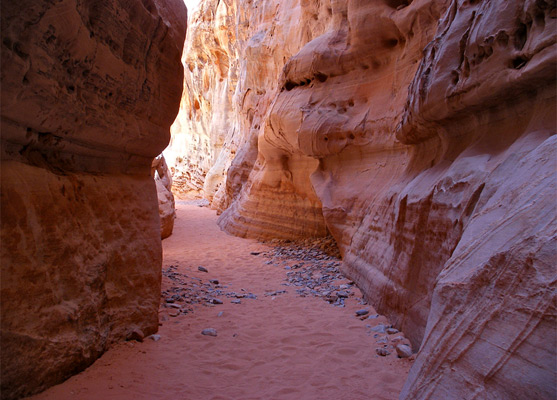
<point x="89" y="90"/>
<point x="420" y="135"/>
<point x="163" y="180"/>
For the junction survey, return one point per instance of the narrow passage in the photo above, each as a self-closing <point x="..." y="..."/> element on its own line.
<point x="281" y="330"/>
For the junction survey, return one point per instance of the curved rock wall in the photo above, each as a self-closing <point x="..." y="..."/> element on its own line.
<point x="420" y="135"/>
<point x="89" y="91"/>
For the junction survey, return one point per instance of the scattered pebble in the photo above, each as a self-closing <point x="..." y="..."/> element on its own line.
<point x="202" y="269"/>
<point x="237" y="301"/>
<point x="136" y="335"/>
<point x="379" y="328"/>
<point x="255" y="253"/>
<point x="392" y="331"/>
<point x="403" y="350"/>
<point x="382" y="351"/>
<point x="209" y="332"/>
<point x="214" y="281"/>
<point x="312" y="267"/>
<point x="362" y="312"/>
<point x="155" y="338"/>
<point x="220" y="314"/>
<point x="275" y="293"/>
<point x="216" y="301"/>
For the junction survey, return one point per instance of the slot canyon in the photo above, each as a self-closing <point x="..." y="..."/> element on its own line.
<point x="278" y="199"/>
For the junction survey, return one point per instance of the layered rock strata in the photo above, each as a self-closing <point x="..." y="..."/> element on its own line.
<point x="89" y="91"/>
<point x="420" y="134"/>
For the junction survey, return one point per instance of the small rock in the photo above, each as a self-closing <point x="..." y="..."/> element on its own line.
<point x="392" y="331"/>
<point x="255" y="253"/>
<point x="379" y="329"/>
<point x="220" y="314"/>
<point x="403" y="350"/>
<point x="209" y="332"/>
<point x="383" y="340"/>
<point x="237" y="301"/>
<point x="382" y="352"/>
<point x="216" y="301"/>
<point x="214" y="281"/>
<point x="155" y="338"/>
<point x="172" y="305"/>
<point x="373" y="316"/>
<point x="202" y="269"/>
<point x="135" y="334"/>
<point x="362" y="312"/>
<point x="343" y="294"/>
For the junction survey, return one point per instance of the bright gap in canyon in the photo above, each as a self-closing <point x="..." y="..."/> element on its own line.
<point x="264" y="199"/>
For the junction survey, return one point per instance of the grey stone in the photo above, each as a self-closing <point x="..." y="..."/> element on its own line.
<point x="237" y="301"/>
<point x="392" y="331"/>
<point x="382" y="351"/>
<point x="202" y="269"/>
<point x="363" y="311"/>
<point x="379" y="328"/>
<point x="403" y="350"/>
<point x="136" y="334"/>
<point x="155" y="338"/>
<point x="209" y="332"/>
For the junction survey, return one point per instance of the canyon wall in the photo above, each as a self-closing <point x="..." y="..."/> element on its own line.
<point x="89" y="90"/>
<point x="421" y="135"/>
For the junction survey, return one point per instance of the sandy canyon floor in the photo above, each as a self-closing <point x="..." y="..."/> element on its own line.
<point x="282" y="330"/>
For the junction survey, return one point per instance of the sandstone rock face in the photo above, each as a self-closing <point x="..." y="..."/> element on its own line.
<point x="206" y="114"/>
<point x="89" y="91"/>
<point x="163" y="180"/>
<point x="420" y="135"/>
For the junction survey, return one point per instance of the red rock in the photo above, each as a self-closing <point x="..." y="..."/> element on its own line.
<point x="421" y="136"/>
<point x="89" y="90"/>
